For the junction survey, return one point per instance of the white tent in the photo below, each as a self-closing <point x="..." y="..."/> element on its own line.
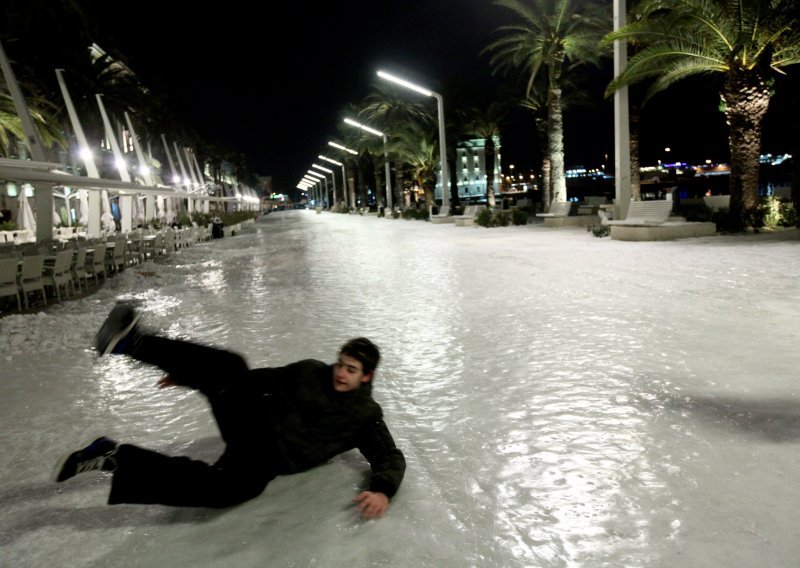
<point x="83" y="196"/>
<point x="25" y="217"/>
<point x="106" y="218"/>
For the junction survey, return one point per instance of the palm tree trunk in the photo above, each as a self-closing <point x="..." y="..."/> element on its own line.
<point x="746" y="97"/>
<point x="546" y="182"/>
<point x="555" y="133"/>
<point x="794" y="147"/>
<point x="379" y="199"/>
<point x="453" y="179"/>
<point x="634" y="119"/>
<point x="362" y="188"/>
<point x="488" y="155"/>
<point x="398" y="200"/>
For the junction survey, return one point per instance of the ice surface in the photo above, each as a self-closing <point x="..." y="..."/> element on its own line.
<point x="562" y="400"/>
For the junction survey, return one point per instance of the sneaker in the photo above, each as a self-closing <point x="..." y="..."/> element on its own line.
<point x="95" y="456"/>
<point x="117" y="333"/>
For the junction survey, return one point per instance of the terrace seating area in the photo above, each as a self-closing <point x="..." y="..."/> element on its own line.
<point x="35" y="274"/>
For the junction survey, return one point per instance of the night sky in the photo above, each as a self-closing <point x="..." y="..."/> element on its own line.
<point x="269" y="80"/>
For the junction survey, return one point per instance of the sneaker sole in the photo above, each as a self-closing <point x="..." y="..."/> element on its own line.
<point x="63" y="460"/>
<point x="116" y="339"/>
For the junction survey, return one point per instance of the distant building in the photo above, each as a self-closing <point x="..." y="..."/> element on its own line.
<point x="470" y="171"/>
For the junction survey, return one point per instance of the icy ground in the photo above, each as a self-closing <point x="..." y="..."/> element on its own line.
<point x="562" y="400"/>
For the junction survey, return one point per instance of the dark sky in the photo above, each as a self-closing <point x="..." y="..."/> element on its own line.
<point x="269" y="79"/>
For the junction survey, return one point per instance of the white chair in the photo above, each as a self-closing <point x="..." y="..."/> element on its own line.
<point x="9" y="268"/>
<point x="96" y="262"/>
<point x="78" y="268"/>
<point x="58" y="274"/>
<point x="30" y="279"/>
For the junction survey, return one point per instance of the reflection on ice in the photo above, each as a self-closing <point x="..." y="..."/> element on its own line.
<point x="562" y="400"/>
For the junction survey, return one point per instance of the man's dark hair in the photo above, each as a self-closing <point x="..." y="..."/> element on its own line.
<point x="364" y="351"/>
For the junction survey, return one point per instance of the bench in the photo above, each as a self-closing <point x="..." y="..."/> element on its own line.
<point x="443" y="216"/>
<point x="468" y="217"/>
<point x="557" y="209"/>
<point x="559" y="216"/>
<point x="649" y="221"/>
<point x="590" y="204"/>
<point x="646" y="213"/>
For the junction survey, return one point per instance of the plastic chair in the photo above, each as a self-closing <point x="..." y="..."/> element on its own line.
<point x="78" y="268"/>
<point x="96" y="262"/>
<point x="9" y="268"/>
<point x="58" y="274"/>
<point x="30" y="279"/>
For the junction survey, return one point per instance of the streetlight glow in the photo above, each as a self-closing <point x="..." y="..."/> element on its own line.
<point x="334" y="162"/>
<point x="404" y="83"/>
<point x="324" y="169"/>
<point x="363" y="127"/>
<point x="340" y="147"/>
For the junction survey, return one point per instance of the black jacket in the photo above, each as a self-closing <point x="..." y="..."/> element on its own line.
<point x="314" y="422"/>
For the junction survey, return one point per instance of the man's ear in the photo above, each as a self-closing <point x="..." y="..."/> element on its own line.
<point x="367" y="377"/>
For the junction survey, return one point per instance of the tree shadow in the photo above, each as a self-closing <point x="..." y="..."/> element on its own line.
<point x="774" y="419"/>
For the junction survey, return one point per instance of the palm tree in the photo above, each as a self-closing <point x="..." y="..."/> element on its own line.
<point x="552" y="35"/>
<point x="487" y="126"/>
<point x="390" y="110"/>
<point x="11" y="132"/>
<point x="536" y="102"/>
<point x="415" y="145"/>
<point x="746" y="42"/>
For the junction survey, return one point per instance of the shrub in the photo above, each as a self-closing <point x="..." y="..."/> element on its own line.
<point x="694" y="212"/>
<point x="8" y="226"/>
<point x="502" y="219"/>
<point x="395" y="213"/>
<point x="484" y="218"/>
<point x="790" y="216"/>
<point x="519" y="217"/>
<point x="202" y="219"/>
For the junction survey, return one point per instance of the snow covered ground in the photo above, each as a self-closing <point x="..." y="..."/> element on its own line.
<point x="562" y="400"/>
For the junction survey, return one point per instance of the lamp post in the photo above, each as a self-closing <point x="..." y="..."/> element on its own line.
<point x="318" y="177"/>
<point x="350" y="194"/>
<point x="344" y="179"/>
<point x="324" y="196"/>
<point x="440" y="110"/>
<point x="366" y="128"/>
<point x="333" y="177"/>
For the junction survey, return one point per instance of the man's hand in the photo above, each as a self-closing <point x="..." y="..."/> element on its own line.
<point x="372" y="505"/>
<point x="166" y="382"/>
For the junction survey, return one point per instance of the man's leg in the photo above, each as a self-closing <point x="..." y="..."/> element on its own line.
<point x="187" y="363"/>
<point x="144" y="476"/>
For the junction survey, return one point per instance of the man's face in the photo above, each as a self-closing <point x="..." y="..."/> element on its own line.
<point x="348" y="374"/>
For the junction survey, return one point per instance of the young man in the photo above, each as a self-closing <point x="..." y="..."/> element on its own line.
<point x="273" y="421"/>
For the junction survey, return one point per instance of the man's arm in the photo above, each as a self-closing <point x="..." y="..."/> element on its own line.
<point x="388" y="467"/>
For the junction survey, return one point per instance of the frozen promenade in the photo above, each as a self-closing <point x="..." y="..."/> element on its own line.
<point x="562" y="400"/>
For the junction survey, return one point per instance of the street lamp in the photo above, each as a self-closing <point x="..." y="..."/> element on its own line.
<point x="333" y="177"/>
<point x="350" y="197"/>
<point x="318" y="177"/>
<point x="366" y="128"/>
<point x="335" y="163"/>
<point x="440" y="109"/>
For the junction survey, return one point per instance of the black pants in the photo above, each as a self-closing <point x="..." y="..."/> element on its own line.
<point x="246" y="466"/>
